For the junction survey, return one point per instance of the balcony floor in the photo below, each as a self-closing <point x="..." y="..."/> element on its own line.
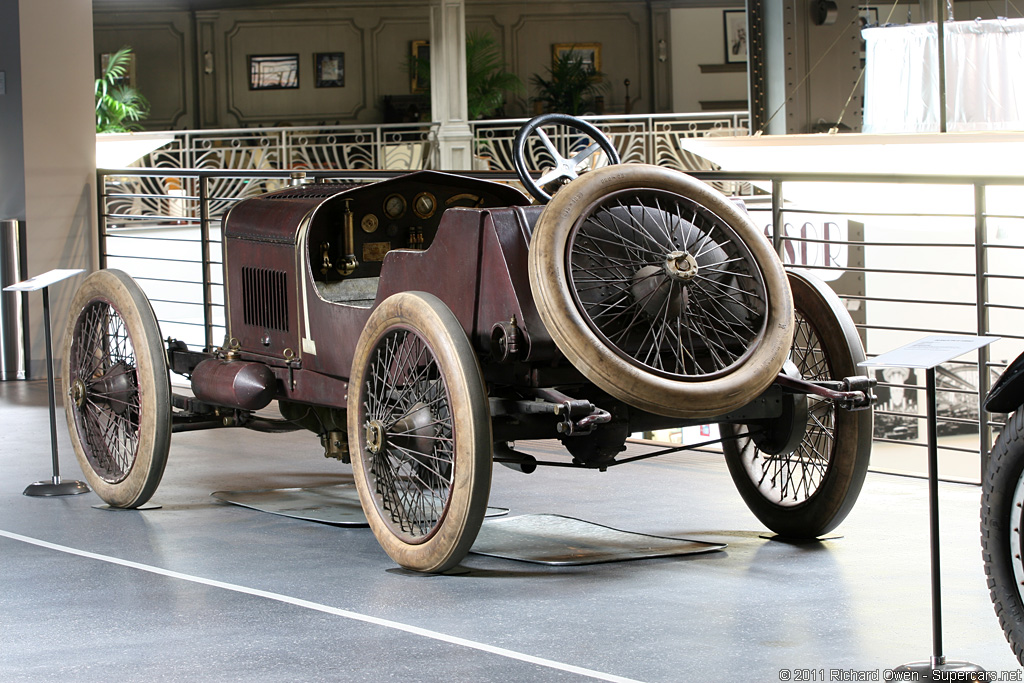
<point x="201" y="590"/>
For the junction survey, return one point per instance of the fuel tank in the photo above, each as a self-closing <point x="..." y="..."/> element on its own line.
<point x="236" y="384"/>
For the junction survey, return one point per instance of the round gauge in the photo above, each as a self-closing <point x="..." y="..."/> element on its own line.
<point x="369" y="223"/>
<point x="424" y="205"/>
<point x="394" y="206"/>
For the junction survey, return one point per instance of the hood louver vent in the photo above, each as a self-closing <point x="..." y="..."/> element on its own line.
<point x="264" y="298"/>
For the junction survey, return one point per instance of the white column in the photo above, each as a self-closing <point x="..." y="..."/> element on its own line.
<point x="48" y="150"/>
<point x="448" y="101"/>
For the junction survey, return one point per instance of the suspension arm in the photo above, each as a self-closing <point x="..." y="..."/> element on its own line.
<point x="850" y="393"/>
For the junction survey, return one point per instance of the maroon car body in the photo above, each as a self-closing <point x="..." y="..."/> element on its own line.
<point x="302" y="318"/>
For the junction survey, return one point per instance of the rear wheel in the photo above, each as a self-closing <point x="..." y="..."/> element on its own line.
<point x="810" y="490"/>
<point x="419" y="432"/>
<point x="117" y="399"/>
<point x="661" y="291"/>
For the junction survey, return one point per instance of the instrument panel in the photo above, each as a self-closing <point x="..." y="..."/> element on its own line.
<point x="354" y="231"/>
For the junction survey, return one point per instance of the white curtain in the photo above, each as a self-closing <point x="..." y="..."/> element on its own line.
<point x="984" y="77"/>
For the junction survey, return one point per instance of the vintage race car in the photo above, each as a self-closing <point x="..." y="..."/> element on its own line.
<point x="421" y="325"/>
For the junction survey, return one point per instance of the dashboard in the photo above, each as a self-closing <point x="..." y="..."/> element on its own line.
<point x="401" y="213"/>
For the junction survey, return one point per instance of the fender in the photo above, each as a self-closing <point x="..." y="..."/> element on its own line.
<point x="1008" y="391"/>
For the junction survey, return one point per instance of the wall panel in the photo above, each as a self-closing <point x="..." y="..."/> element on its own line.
<point x="164" y="71"/>
<point x="270" y="35"/>
<point x="194" y="66"/>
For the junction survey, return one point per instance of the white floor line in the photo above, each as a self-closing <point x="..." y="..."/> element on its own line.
<point x="387" y="623"/>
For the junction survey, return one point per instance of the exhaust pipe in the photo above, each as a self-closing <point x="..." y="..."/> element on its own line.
<point x="513" y="459"/>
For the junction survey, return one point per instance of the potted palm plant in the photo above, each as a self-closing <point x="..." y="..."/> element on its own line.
<point x="119" y="105"/>
<point x="487" y="77"/>
<point x="572" y="86"/>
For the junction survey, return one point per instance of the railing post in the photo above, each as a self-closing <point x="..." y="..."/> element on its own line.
<point x="777" y="216"/>
<point x="378" y="137"/>
<point x="981" y="284"/>
<point x="649" y="147"/>
<point x="204" y="238"/>
<point x="101" y="222"/>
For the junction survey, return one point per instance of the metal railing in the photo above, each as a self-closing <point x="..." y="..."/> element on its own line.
<point x="903" y="273"/>
<point x="651" y="138"/>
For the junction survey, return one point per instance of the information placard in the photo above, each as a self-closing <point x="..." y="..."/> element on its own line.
<point x="43" y="280"/>
<point x="929" y="352"/>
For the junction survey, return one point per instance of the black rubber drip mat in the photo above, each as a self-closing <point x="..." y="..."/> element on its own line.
<point x="337" y="504"/>
<point x="558" y="540"/>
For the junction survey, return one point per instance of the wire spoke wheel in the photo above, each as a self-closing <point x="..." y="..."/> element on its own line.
<point x="117" y="389"/>
<point x="409" y="434"/>
<point x="420" y="431"/>
<point x="666" y="284"/>
<point x="661" y="291"/>
<point x="808" y="490"/>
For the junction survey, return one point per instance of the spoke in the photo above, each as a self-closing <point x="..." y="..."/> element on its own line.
<point x="554" y="174"/>
<point x="640" y="227"/>
<point x="627" y="244"/>
<point x="793" y="478"/>
<point x="415" y="407"/>
<point x="549" y="146"/>
<point x="713" y="302"/>
<point x="414" y="474"/>
<point x="107" y="419"/>
<point x="676" y="329"/>
<point x="618" y="224"/>
<point x="595" y="251"/>
<point x="583" y="154"/>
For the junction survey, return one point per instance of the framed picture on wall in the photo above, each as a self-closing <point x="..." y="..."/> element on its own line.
<point x="273" y="72"/>
<point x="419" y="66"/>
<point x="735" y="22"/>
<point x="590" y="53"/>
<point x="330" y="69"/>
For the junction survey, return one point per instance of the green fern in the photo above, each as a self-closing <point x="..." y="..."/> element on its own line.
<point x="117" y="103"/>
<point x="571" y="86"/>
<point x="487" y="79"/>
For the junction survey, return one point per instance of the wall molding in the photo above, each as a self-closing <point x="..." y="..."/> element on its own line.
<point x="281" y="108"/>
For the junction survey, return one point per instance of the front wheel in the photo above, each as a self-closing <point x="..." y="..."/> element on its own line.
<point x="419" y="430"/>
<point x="809" y="490"/>
<point x="1001" y="519"/>
<point x="117" y="389"/>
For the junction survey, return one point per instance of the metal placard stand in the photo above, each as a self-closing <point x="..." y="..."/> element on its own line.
<point x="54" y="487"/>
<point x="926" y="354"/>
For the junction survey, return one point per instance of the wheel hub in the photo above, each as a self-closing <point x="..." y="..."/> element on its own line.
<point x="77" y="393"/>
<point x="117" y="387"/>
<point x="681" y="265"/>
<point x="374" y="437"/>
<point x="415" y="432"/>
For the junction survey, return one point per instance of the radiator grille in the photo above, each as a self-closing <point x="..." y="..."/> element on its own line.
<point x="264" y="298"/>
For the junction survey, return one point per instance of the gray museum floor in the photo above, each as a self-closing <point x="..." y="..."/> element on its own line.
<point x="200" y="590"/>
